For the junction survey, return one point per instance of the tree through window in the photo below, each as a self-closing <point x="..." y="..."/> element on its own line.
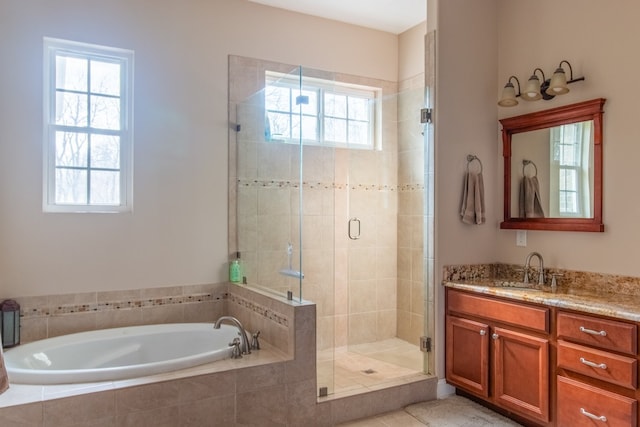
<point x="88" y="111"/>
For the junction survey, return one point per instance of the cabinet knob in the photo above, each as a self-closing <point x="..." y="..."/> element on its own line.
<point x="495" y="336"/>
<point x="483" y="332"/>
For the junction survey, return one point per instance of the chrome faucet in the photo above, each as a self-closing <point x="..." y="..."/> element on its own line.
<point x="245" y="348"/>
<point x="527" y="265"/>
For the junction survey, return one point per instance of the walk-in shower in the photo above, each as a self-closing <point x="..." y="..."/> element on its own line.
<point x="327" y="203"/>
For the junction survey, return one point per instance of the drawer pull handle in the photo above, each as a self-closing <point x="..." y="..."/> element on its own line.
<point x="483" y="332"/>
<point x="592" y="332"/>
<point x="495" y="336"/>
<point x="593" y="417"/>
<point x="592" y="364"/>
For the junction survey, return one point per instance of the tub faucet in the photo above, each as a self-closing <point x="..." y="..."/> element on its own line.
<point x="245" y="348"/>
<point x="527" y="265"/>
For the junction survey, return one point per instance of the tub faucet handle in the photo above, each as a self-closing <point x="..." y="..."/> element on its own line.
<point x="255" y="344"/>
<point x="236" y="353"/>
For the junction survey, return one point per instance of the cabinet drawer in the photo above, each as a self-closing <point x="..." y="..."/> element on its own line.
<point x="521" y="315"/>
<point x="601" y="333"/>
<point x="598" y="364"/>
<point x="584" y="405"/>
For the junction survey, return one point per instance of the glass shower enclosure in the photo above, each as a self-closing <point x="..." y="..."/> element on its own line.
<point x="326" y="186"/>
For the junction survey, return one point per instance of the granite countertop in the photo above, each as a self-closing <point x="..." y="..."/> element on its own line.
<point x="617" y="305"/>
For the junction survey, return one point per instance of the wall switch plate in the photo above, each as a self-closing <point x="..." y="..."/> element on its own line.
<point x="521" y="238"/>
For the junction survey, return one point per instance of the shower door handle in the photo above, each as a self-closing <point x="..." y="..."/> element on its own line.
<point x="354" y="228"/>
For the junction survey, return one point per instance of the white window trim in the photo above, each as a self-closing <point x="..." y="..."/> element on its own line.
<point x="125" y="57"/>
<point x="374" y="93"/>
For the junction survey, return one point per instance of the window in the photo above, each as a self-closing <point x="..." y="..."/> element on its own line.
<point x="570" y="166"/>
<point x="321" y="112"/>
<point x="88" y="129"/>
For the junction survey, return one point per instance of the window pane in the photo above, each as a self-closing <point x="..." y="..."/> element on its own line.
<point x="335" y="105"/>
<point x="71" y="109"/>
<point x="335" y="130"/>
<point x="310" y="128"/>
<point x="71" y="186"/>
<point x="105" y="151"/>
<point x="568" y="179"/>
<point x="277" y="98"/>
<point x="105" y="112"/>
<point x="105" y="78"/>
<point x="358" y="133"/>
<point x="569" y="155"/>
<point x="280" y="125"/>
<point x="295" y="126"/>
<point x="71" y="149"/>
<point x="311" y="108"/>
<point x="105" y="188"/>
<point x="358" y="108"/>
<point x="71" y="73"/>
<point x="568" y="203"/>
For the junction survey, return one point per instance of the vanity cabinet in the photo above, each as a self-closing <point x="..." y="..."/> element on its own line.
<point x="597" y="375"/>
<point x="498" y="350"/>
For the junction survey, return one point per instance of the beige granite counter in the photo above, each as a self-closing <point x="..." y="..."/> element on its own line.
<point x="616" y="297"/>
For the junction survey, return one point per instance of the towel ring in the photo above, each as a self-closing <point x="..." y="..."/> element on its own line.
<point x="526" y="162"/>
<point x="471" y="158"/>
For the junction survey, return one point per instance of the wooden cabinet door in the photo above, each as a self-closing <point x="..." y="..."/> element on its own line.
<point x="521" y="373"/>
<point x="467" y="355"/>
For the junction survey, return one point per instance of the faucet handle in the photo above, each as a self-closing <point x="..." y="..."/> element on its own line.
<point x="236" y="353"/>
<point x="255" y="344"/>
<point x="554" y="282"/>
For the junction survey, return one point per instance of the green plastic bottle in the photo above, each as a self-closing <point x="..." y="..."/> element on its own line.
<point x="235" y="270"/>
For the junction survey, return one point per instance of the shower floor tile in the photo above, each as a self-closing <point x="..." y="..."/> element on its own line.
<point x="363" y="367"/>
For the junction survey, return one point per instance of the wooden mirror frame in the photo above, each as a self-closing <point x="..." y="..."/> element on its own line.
<point x="582" y="111"/>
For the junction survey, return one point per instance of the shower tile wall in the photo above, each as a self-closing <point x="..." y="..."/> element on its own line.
<point x="411" y="211"/>
<point x="354" y="282"/>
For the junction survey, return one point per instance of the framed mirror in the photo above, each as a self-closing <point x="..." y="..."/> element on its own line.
<point x="553" y="169"/>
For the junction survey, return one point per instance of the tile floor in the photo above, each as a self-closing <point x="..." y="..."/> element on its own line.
<point x="452" y="411"/>
<point x="358" y="368"/>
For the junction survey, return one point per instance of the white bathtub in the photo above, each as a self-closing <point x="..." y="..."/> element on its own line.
<point x="113" y="354"/>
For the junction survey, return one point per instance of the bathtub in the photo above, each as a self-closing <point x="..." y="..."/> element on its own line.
<point x="119" y="353"/>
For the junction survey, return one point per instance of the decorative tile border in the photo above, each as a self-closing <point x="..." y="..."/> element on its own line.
<point x="255" y="183"/>
<point x="263" y="311"/>
<point x="27" y="312"/>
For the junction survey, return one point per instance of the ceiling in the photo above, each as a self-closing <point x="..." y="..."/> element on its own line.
<point x="392" y="16"/>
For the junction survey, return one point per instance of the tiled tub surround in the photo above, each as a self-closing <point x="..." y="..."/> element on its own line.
<point x="273" y="386"/>
<point x="597" y="293"/>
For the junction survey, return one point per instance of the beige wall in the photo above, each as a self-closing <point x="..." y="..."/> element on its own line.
<point x="599" y="40"/>
<point x="177" y="233"/>
<point x="411" y="52"/>
<point x="465" y="123"/>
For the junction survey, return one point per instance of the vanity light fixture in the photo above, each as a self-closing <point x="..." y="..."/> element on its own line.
<point x="509" y="95"/>
<point x="534" y="89"/>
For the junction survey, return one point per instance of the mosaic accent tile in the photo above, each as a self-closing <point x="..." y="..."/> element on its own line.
<point x="26" y="311"/>
<point x="266" y="312"/>
<point x="255" y="183"/>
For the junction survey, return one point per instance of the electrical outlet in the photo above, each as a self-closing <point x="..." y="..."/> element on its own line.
<point x="521" y="238"/>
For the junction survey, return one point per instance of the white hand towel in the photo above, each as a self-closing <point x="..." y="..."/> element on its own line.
<point x="472" y="210"/>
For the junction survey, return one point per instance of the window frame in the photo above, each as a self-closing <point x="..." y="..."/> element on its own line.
<point x="123" y="57"/>
<point x="322" y="87"/>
